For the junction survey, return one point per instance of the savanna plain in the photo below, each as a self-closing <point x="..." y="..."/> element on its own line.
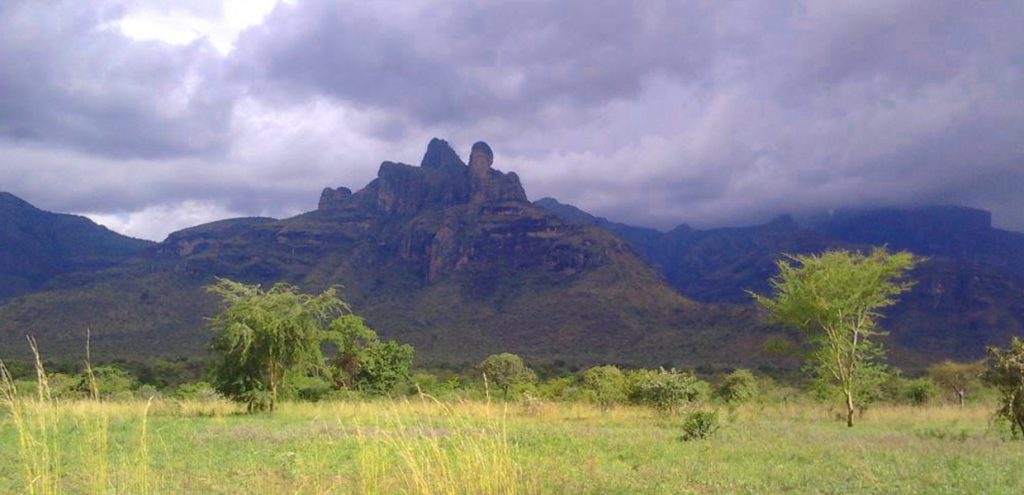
<point x="424" y="445"/>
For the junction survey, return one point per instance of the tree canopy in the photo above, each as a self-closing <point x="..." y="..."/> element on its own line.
<point x="262" y="334"/>
<point x="836" y="298"/>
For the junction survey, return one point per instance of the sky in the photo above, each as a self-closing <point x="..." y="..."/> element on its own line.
<point x="152" y="116"/>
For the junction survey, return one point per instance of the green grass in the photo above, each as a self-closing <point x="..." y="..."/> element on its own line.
<point x="423" y="446"/>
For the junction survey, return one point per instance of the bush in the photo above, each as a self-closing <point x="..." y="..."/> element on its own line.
<point x="919" y="391"/>
<point x="664" y="390"/>
<point x="111" y="383"/>
<point x="738" y="387"/>
<point x="698" y="425"/>
<point x="606" y="384"/>
<point x="561" y="389"/>
<point x="383" y="366"/>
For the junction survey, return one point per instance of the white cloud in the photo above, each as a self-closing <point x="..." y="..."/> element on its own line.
<point x="155" y="222"/>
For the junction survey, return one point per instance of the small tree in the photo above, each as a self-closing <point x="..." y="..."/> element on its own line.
<point x="959" y="378"/>
<point x="505" y="370"/>
<point x="738" y="387"/>
<point x="835" y="298"/>
<point x="664" y="390"/>
<point x="384" y="365"/>
<point x="1006" y="373"/>
<point x="261" y="335"/>
<point x="362" y="362"/>
<point x="606" y="383"/>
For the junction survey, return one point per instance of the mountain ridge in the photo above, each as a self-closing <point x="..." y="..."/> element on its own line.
<point x="449" y="256"/>
<point x="452" y="257"/>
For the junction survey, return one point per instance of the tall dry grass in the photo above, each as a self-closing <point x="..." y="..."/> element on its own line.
<point x="428" y="447"/>
<point x="44" y="427"/>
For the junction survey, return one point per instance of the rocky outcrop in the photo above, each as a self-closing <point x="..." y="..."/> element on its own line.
<point x="331" y="199"/>
<point x="441" y="156"/>
<point x="488" y="185"/>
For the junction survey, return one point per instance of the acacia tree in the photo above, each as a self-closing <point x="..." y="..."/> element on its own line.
<point x="262" y="334"/>
<point x="836" y="298"/>
<point x="958" y="377"/>
<point x="1006" y="372"/>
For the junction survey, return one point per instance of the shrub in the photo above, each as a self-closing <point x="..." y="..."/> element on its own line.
<point x="919" y="391"/>
<point x="111" y="383"/>
<point x="698" y="425"/>
<point x="664" y="390"/>
<point x="738" y="387"/>
<point x="606" y="384"/>
<point x="562" y="389"/>
<point x="384" y="366"/>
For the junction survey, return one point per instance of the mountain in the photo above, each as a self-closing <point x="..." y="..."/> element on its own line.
<point x="451" y="257"/>
<point x="969" y="291"/>
<point x="448" y="256"/>
<point x="36" y="246"/>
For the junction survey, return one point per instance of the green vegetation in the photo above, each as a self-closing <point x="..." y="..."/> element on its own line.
<point x="362" y="362"/>
<point x="272" y="340"/>
<point x="698" y="425"/>
<point x="505" y="371"/>
<point x="262" y="335"/>
<point x="427" y="447"/>
<point x="1007" y="374"/>
<point x="349" y="416"/>
<point x="666" y="391"/>
<point x="607" y="385"/>
<point x="835" y="298"/>
<point x="738" y="387"/>
<point x="960" y="378"/>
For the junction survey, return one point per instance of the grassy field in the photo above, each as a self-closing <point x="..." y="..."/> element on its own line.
<point x="424" y="446"/>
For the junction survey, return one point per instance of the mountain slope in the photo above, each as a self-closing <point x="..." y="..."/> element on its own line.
<point x="969" y="292"/>
<point x="37" y="246"/>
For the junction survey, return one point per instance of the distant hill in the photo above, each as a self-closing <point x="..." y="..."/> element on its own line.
<point x="448" y="256"/>
<point x="36" y="246"/>
<point x="969" y="293"/>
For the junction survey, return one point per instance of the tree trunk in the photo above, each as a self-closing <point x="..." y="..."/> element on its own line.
<point x="273" y="386"/>
<point x="960" y="395"/>
<point x="849" y="409"/>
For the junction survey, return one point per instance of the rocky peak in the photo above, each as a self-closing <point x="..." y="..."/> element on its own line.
<point x="480" y="159"/>
<point x="331" y="199"/>
<point x="488" y="185"/>
<point x="442" y="180"/>
<point x="441" y="156"/>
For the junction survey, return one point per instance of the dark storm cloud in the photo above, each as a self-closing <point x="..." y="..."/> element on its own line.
<point x="651" y="112"/>
<point x="70" y="79"/>
<point x="468" y="61"/>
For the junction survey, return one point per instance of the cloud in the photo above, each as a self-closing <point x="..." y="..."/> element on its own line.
<point x="650" y="112"/>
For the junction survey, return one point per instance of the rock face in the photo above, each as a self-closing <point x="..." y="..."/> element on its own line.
<point x="441" y="156"/>
<point x="333" y="198"/>
<point x="442" y="180"/>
